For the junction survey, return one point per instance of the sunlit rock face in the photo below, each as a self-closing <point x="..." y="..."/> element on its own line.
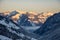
<point x="37" y="18"/>
<point x="33" y="16"/>
<point x="50" y="30"/>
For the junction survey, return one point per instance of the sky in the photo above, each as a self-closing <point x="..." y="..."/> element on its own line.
<point x="30" y="5"/>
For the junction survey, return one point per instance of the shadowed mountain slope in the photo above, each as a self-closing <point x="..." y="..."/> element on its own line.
<point x="50" y="30"/>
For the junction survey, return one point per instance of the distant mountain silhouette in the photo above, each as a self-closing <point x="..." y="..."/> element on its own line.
<point x="50" y="30"/>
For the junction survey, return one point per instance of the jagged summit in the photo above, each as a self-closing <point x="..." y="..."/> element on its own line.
<point x="13" y="13"/>
<point x="23" y="20"/>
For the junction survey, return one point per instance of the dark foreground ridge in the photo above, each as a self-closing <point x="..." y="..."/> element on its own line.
<point x="50" y="30"/>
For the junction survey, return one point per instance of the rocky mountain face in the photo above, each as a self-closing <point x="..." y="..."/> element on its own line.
<point x="10" y="30"/>
<point x="50" y="30"/>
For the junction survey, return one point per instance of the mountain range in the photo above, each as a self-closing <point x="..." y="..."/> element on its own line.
<point x="36" y="18"/>
<point x="10" y="30"/>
